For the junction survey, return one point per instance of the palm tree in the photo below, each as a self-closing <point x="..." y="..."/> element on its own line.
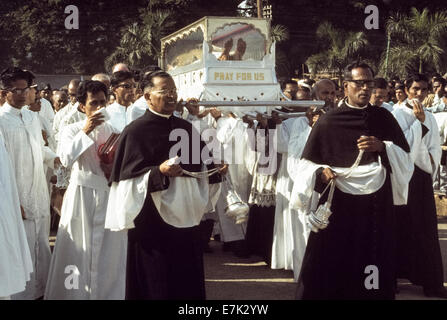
<point x="342" y="47"/>
<point x="140" y="41"/>
<point x="416" y="41"/>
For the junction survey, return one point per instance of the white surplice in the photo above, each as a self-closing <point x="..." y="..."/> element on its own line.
<point x="59" y="116"/>
<point x="22" y="133"/>
<point x="232" y="134"/>
<point x="46" y="111"/>
<point x="138" y="108"/>
<point x="97" y="256"/>
<point x="15" y="262"/>
<point x="287" y="231"/>
<point x="421" y="147"/>
<point x="119" y="116"/>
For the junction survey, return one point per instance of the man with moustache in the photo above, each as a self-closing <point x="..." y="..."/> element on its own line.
<point x="325" y="90"/>
<point x="123" y="87"/>
<point x="158" y="201"/>
<point x="22" y="134"/>
<point x="363" y="150"/>
<point x="419" y="253"/>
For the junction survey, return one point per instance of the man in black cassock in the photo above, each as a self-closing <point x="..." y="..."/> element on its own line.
<point x="165" y="258"/>
<point x="360" y="234"/>
<point x="419" y="253"/>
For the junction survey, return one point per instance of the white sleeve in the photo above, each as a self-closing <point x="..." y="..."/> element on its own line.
<point x="72" y="145"/>
<point x="413" y="132"/>
<point x="434" y="145"/>
<point x="284" y="135"/>
<point x="126" y="199"/>
<point x="402" y="168"/>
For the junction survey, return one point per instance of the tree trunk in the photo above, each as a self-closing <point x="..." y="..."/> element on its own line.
<point x="420" y="65"/>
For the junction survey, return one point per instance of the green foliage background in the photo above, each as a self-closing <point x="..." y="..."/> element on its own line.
<point x="33" y="36"/>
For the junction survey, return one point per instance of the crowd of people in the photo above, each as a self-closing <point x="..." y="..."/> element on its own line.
<point x="346" y="189"/>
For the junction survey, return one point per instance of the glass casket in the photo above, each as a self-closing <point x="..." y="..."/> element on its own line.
<point x="223" y="59"/>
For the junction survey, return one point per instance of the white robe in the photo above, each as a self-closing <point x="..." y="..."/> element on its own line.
<point x="15" y="262"/>
<point x="231" y="133"/>
<point x="119" y="116"/>
<point x="73" y="116"/>
<point x="421" y="148"/>
<point x="23" y="139"/>
<point x="138" y="108"/>
<point x="97" y="255"/>
<point x="288" y="229"/>
<point x="59" y="116"/>
<point x="46" y="111"/>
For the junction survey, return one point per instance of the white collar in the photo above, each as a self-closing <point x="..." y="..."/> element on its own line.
<point x="10" y="109"/>
<point x="118" y="106"/>
<point x="167" y="116"/>
<point x="354" y="107"/>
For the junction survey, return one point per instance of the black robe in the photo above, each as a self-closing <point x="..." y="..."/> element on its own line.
<point x="361" y="227"/>
<point x="419" y="252"/>
<point x="163" y="261"/>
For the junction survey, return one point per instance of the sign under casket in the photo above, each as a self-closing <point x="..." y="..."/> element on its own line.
<point x="223" y="59"/>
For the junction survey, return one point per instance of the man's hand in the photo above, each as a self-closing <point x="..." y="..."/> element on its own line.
<point x="23" y="213"/>
<point x="418" y="110"/>
<point x="93" y="121"/>
<point x="53" y="179"/>
<point x="314" y="120"/>
<point x="57" y="162"/>
<point x="370" y="144"/>
<point x="247" y="120"/>
<point x="275" y="117"/>
<point x="215" y="113"/>
<point x="192" y="106"/>
<point x="262" y="121"/>
<point x="170" y="170"/>
<point x="327" y="175"/>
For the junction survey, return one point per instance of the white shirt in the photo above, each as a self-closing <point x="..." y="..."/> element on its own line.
<point x="138" y="108"/>
<point x="23" y="140"/>
<point x="119" y="116"/>
<point x="46" y="110"/>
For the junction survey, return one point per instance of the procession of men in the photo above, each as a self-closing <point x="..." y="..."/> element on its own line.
<point x="124" y="172"/>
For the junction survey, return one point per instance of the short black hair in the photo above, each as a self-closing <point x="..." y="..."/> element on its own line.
<point x="441" y="80"/>
<point x="9" y="75"/>
<point x="355" y="65"/>
<point x="148" y="79"/>
<point x="415" y="77"/>
<point x="380" y="83"/>
<point x="120" y="76"/>
<point x="399" y="86"/>
<point x="91" y="86"/>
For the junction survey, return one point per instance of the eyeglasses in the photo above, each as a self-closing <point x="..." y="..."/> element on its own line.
<point x="127" y="86"/>
<point x="165" y="92"/>
<point x="18" y="91"/>
<point x="361" y="83"/>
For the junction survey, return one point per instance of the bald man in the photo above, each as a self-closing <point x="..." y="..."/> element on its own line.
<point x="120" y="67"/>
<point x="72" y="104"/>
<point x="102" y="77"/>
<point x="325" y="90"/>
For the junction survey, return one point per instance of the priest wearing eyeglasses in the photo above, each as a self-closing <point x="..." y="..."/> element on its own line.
<point x="161" y="202"/>
<point x="123" y="87"/>
<point x="22" y="134"/>
<point x="364" y="151"/>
